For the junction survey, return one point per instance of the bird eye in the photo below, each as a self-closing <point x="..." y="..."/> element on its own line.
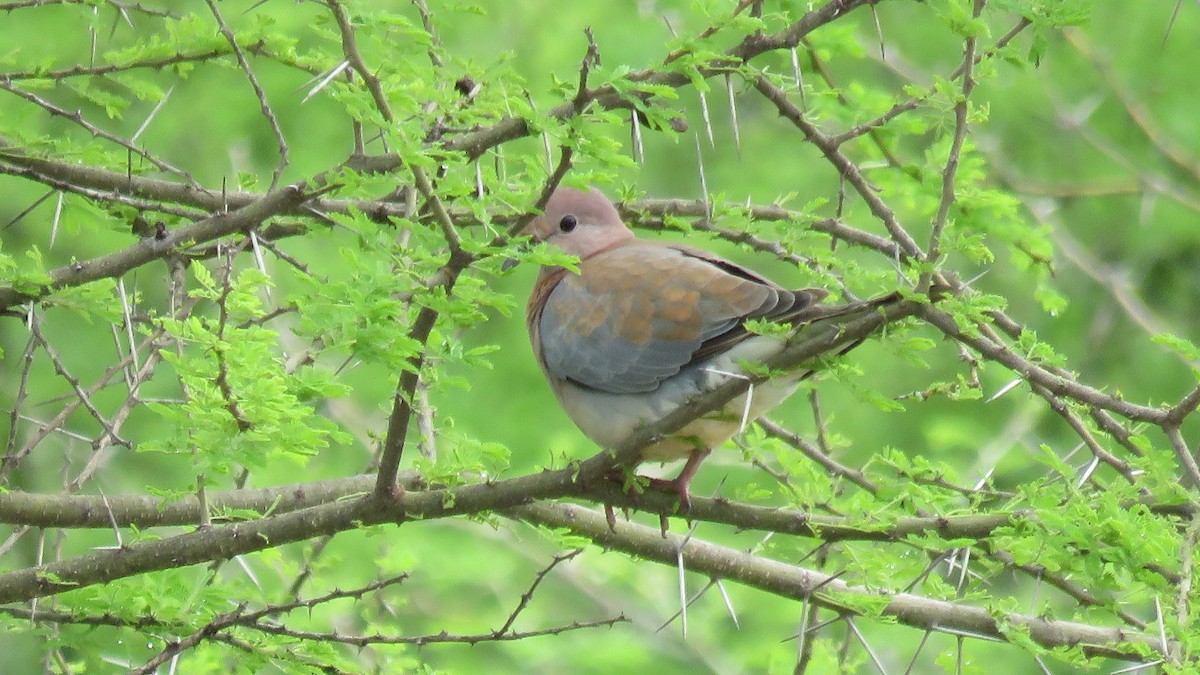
<point x="567" y="223"/>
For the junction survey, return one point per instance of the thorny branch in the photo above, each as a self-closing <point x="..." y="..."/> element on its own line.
<point x="950" y="172"/>
<point x="261" y="95"/>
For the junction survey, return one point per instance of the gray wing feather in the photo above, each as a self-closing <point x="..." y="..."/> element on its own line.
<point x="583" y="327"/>
<point x="602" y="359"/>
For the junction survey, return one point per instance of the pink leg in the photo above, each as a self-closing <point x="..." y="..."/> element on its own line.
<point x="681" y="483"/>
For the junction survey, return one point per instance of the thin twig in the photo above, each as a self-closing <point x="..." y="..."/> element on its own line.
<point x="259" y="93"/>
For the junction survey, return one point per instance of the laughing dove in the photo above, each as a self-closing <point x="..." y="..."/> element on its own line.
<point x="643" y="326"/>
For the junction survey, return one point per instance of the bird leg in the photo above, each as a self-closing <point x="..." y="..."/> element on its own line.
<point x="681" y="483"/>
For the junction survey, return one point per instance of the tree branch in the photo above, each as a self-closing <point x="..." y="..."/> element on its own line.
<point x="155" y="248"/>
<point x="827" y="591"/>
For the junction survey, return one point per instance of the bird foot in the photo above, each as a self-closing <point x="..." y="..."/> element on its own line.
<point x="618" y="475"/>
<point x="676" y="485"/>
<point x="680" y="485"/>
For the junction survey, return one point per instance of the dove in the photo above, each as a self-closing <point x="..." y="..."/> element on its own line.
<point x="643" y="326"/>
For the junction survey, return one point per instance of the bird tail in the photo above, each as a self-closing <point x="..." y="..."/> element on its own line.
<point x="850" y="309"/>
<point x="818" y="312"/>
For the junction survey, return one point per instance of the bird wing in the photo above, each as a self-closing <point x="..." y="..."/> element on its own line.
<point x="639" y="313"/>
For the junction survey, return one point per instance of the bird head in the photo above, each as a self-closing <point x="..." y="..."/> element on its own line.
<point x="580" y="223"/>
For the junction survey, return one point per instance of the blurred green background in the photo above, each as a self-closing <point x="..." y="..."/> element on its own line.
<point x="1119" y="202"/>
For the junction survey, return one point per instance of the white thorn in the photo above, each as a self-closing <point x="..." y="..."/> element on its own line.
<point x="128" y="322"/>
<point x="639" y="152"/>
<point x="703" y="180"/>
<point x="151" y="116"/>
<point x="707" y="120"/>
<point x="728" y="603"/>
<point x="337" y="70"/>
<point x="1004" y="390"/>
<point x="737" y="135"/>
<point x="57" y="217"/>
<point x="682" y="590"/>
<point x="1088" y="471"/>
<point x="260" y="262"/>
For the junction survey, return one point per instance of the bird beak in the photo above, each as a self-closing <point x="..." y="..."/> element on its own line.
<point x="531" y="231"/>
<point x="510" y="263"/>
